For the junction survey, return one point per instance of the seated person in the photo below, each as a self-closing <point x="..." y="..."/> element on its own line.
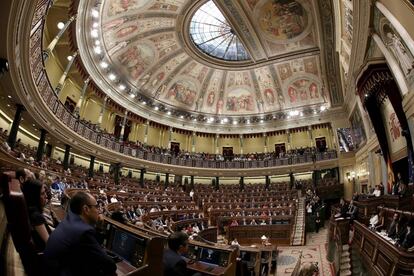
<point x="392" y="228"/>
<point x="352" y="210"/>
<point x="72" y="249"/>
<point x="343" y="208"/>
<point x="174" y="264"/>
<point x="36" y="198"/>
<point x="407" y="240"/>
<point x="377" y="191"/>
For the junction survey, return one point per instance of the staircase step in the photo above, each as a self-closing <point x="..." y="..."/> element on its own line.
<point x="345" y="260"/>
<point x="345" y="273"/>
<point x="345" y="247"/>
<point x="346" y="266"/>
<point x="345" y="254"/>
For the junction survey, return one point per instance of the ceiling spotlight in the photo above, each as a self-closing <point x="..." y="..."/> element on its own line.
<point x="293" y="113"/>
<point x="225" y="120"/>
<point x="169" y="112"/>
<point x="122" y="87"/>
<point x="97" y="50"/>
<point x="323" y="108"/>
<point x="235" y="122"/>
<point x="94" y="33"/>
<point x="104" y="65"/>
<point x="301" y="114"/>
<point x="9" y="97"/>
<point x="97" y="42"/>
<point x="95" y="25"/>
<point x="60" y="25"/>
<point x="8" y="105"/>
<point x="112" y="77"/>
<point x="69" y="58"/>
<point x="144" y="102"/>
<point x="261" y="120"/>
<point x="248" y="121"/>
<point x="156" y="108"/>
<point x="195" y="119"/>
<point x="181" y="117"/>
<point x="288" y="117"/>
<point x="132" y="95"/>
<point x="95" y="13"/>
<point x="314" y="112"/>
<point x="34" y="125"/>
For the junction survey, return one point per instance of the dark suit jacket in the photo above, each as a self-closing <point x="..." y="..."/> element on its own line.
<point x="72" y="249"/>
<point x="174" y="265"/>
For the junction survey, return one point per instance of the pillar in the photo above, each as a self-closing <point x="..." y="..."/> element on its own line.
<point x="117" y="169"/>
<point x="371" y="170"/>
<point x="102" y="112"/>
<point x="216" y="143"/>
<point x="121" y="136"/>
<point x="169" y="137"/>
<point x="91" y="166"/>
<point x="266" y="140"/>
<point x="310" y="135"/>
<point x="146" y="132"/>
<point x="167" y="180"/>
<point x="62" y="79"/>
<point x="193" y="143"/>
<point x="384" y="174"/>
<point x="66" y="157"/>
<point x="11" y="140"/>
<point x="241" y="182"/>
<point x="52" y="45"/>
<point x="41" y="145"/>
<point x="142" y="178"/>
<point x="192" y="182"/>
<point x="288" y="139"/>
<point x="241" y="143"/>
<point x="267" y="182"/>
<point x="217" y="183"/>
<point x="82" y="96"/>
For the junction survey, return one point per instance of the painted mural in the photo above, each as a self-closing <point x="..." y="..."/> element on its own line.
<point x="240" y="101"/>
<point x="136" y="59"/>
<point x="120" y="6"/>
<point x="357" y="126"/>
<point x="183" y="92"/>
<point x="283" y="19"/>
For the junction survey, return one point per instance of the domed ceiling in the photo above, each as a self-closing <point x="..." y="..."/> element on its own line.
<point x="222" y="58"/>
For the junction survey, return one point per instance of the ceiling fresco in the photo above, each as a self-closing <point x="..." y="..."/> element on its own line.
<point x="141" y="48"/>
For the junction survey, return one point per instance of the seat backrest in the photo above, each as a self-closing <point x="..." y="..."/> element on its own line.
<point x="18" y="223"/>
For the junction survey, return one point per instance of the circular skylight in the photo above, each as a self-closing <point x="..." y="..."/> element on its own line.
<point x="213" y="35"/>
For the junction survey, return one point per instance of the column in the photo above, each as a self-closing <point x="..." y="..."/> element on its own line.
<point x="241" y="143"/>
<point x="146" y="132"/>
<point x="216" y="143"/>
<point x="142" y="178"/>
<point x="384" y="173"/>
<point x="167" y="180"/>
<point x="267" y="182"/>
<point x="265" y="142"/>
<point x="371" y="170"/>
<point x="288" y="139"/>
<point x="193" y="143"/>
<point x="169" y="137"/>
<point x="217" y="183"/>
<point x="121" y="136"/>
<point x="192" y="182"/>
<point x="241" y="182"/>
<point x="52" y="45"/>
<point x="102" y="112"/>
<point x="334" y="137"/>
<point x="82" y="96"/>
<point x="310" y="135"/>
<point x="66" y="157"/>
<point x="91" y="166"/>
<point x="41" y="145"/>
<point x="117" y="169"/>
<point x="11" y="140"/>
<point x="62" y="79"/>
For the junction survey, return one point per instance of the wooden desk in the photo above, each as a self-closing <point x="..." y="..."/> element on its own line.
<point x="123" y="268"/>
<point x="206" y="268"/>
<point x="251" y="234"/>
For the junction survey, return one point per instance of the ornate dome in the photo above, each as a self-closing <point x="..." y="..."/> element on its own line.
<point x="222" y="62"/>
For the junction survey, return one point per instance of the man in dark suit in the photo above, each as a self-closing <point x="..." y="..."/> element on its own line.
<point x="174" y="264"/>
<point x="392" y="229"/>
<point x="72" y="248"/>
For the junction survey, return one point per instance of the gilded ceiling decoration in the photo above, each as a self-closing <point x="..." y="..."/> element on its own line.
<point x="222" y="58"/>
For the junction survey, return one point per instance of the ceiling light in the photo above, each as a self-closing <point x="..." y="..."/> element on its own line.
<point x="9" y="97"/>
<point x="323" y="108"/>
<point x="144" y="102"/>
<point x="132" y="95"/>
<point x="314" y="112"/>
<point x="112" y="77"/>
<point x="301" y="114"/>
<point x="225" y="120"/>
<point x="104" y="64"/>
<point x="60" y="25"/>
<point x="95" y="13"/>
<point x="94" y="33"/>
<point x="195" y="120"/>
<point x="169" y="112"/>
<point x="293" y="113"/>
<point x="122" y="87"/>
<point x="34" y="125"/>
<point x="8" y="105"/>
<point x="248" y="121"/>
<point x="261" y="120"/>
<point x="95" y="25"/>
<point x="69" y="58"/>
<point x="288" y="117"/>
<point x="97" y="50"/>
<point x="181" y="117"/>
<point x="156" y="108"/>
<point x="97" y="42"/>
<point x="235" y="122"/>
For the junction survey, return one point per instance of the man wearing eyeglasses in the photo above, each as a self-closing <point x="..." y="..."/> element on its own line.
<point x="72" y="249"/>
